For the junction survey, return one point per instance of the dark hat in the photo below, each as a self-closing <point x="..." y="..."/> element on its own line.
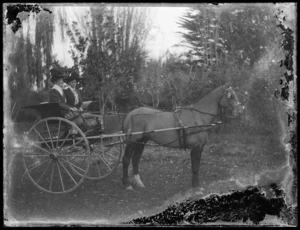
<point x="57" y="74"/>
<point x="73" y="76"/>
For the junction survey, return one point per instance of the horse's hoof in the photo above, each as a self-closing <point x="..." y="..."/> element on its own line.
<point x="129" y="188"/>
<point x="140" y="185"/>
<point x="137" y="181"/>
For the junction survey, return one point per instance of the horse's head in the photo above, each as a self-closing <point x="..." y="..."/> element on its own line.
<point x="229" y="99"/>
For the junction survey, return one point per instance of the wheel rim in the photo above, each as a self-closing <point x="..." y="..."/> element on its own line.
<point x="105" y="157"/>
<point x="53" y="153"/>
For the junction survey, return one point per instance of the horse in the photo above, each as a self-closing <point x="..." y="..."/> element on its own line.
<point x="201" y="114"/>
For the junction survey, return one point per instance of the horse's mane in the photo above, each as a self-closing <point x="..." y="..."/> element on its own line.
<point x="195" y="101"/>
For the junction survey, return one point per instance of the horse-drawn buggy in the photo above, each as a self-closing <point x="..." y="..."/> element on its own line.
<point x="60" y="153"/>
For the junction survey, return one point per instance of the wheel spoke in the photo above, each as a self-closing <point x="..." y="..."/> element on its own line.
<point x="75" y="156"/>
<point x="42" y="138"/>
<point x="58" y="133"/>
<point x="98" y="169"/>
<point x="36" y="155"/>
<point x="60" y="176"/>
<point x="44" y="172"/>
<point x="65" y="140"/>
<point x="69" y="147"/>
<point x="68" y="172"/>
<point x="104" y="161"/>
<point x="35" y="166"/>
<point x="69" y="150"/>
<point x="51" y="179"/>
<point x="111" y="155"/>
<point x="96" y="163"/>
<point x="41" y="148"/>
<point x="73" y="165"/>
<point x="49" y="134"/>
<point x="102" y="156"/>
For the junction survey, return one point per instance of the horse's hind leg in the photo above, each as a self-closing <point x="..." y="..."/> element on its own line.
<point x="129" y="151"/>
<point x="195" y="160"/>
<point x="135" y="164"/>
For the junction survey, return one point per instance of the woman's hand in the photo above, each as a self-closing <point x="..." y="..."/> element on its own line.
<point x="74" y="109"/>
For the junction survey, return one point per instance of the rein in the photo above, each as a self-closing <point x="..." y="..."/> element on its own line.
<point x="199" y="111"/>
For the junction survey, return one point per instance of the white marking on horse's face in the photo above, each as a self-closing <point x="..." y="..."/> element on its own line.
<point x="229" y="95"/>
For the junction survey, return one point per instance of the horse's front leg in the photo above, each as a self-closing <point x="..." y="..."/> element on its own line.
<point x="196" y="153"/>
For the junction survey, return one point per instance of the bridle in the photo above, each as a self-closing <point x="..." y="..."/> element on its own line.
<point x="214" y="115"/>
<point x="232" y="107"/>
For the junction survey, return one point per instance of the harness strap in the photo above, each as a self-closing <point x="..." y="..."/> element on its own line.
<point x="181" y="132"/>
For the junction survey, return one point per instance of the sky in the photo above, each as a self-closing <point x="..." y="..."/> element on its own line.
<point x="162" y="37"/>
<point x="164" y="34"/>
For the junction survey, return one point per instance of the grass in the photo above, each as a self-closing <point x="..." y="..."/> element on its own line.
<point x="229" y="160"/>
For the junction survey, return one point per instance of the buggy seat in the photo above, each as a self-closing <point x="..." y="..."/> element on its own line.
<point x="87" y="122"/>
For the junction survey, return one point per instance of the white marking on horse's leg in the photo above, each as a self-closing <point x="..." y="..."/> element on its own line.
<point x="138" y="181"/>
<point x="129" y="187"/>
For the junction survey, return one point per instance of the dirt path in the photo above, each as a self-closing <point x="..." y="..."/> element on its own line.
<point x="166" y="174"/>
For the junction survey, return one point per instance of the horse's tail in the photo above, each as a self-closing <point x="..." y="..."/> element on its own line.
<point x="127" y="123"/>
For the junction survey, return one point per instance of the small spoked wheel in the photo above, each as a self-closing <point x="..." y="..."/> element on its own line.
<point x="105" y="157"/>
<point x="57" y="155"/>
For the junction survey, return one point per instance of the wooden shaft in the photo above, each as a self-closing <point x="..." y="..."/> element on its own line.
<point x="120" y="134"/>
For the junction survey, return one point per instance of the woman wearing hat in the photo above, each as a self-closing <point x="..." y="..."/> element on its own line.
<point x="73" y="96"/>
<point x="73" y="99"/>
<point x="56" y="93"/>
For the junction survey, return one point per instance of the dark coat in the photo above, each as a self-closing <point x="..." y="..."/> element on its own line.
<point x="71" y="98"/>
<point x="55" y="96"/>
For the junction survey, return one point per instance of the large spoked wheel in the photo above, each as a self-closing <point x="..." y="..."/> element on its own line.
<point x="57" y="155"/>
<point x="105" y="157"/>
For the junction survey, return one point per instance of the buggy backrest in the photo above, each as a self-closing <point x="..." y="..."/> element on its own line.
<point x="113" y="123"/>
<point x="48" y="109"/>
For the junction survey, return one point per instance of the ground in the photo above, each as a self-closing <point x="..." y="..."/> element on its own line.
<point x="228" y="163"/>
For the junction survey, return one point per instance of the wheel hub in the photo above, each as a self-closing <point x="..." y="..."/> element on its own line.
<point x="53" y="155"/>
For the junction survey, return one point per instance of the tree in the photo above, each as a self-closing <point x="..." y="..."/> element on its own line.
<point x="247" y="30"/>
<point x="110" y="57"/>
<point x="151" y="84"/>
<point x="202" y="25"/>
<point x="43" y="47"/>
<point x="31" y="60"/>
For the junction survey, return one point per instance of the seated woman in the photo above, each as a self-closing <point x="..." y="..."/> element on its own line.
<point x="56" y="93"/>
<point x="73" y="95"/>
<point x="85" y="121"/>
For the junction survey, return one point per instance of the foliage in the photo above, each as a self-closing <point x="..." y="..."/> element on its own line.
<point x="247" y="30"/>
<point x="148" y="89"/>
<point x="30" y="59"/>
<point x="238" y="45"/>
<point x="43" y="47"/>
<point x="110" y="57"/>
<point x="202" y="36"/>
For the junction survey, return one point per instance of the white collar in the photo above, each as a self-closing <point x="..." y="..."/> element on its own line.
<point x="59" y="89"/>
<point x="74" y="90"/>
